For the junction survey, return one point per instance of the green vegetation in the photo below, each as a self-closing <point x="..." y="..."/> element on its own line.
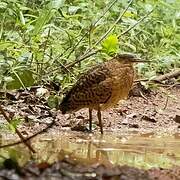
<point x="39" y="39"/>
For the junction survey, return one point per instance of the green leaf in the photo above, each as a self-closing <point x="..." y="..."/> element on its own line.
<point x="6" y="44"/>
<point x="22" y="18"/>
<point x="11" y="128"/>
<point x="3" y="5"/>
<point x="20" y="79"/>
<point x="14" y="123"/>
<point x="110" y="45"/>
<point x="73" y="9"/>
<point x="129" y="14"/>
<point x="53" y="101"/>
<point x="42" y="20"/>
<point x="57" y="3"/>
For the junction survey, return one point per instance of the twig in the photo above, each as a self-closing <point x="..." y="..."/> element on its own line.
<point x="34" y="135"/>
<point x="159" y="79"/>
<point x="30" y="137"/>
<point x="143" y="96"/>
<point x="110" y="29"/>
<point x="93" y="25"/>
<point x="174" y="73"/>
<point x="88" y="53"/>
<point x="85" y="56"/>
<point x="45" y="45"/>
<point x="73" y="63"/>
<point x="174" y="85"/>
<point x="66" y="68"/>
<point x="165" y="106"/>
<point x="17" y="131"/>
<point x="19" y="79"/>
<point x="109" y="7"/>
<point x="134" y="25"/>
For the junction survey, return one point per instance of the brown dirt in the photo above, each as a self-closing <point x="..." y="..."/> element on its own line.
<point x="157" y="112"/>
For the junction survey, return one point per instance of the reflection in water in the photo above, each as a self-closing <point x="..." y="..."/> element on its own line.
<point x="135" y="150"/>
<point x="145" y="150"/>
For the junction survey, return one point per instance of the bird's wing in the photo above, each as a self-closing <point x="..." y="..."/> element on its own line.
<point x="89" y="79"/>
<point x="95" y="95"/>
<point x="91" y="88"/>
<point x="92" y="77"/>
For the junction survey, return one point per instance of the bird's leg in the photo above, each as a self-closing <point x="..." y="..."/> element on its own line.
<point x="90" y="119"/>
<point x="99" y="118"/>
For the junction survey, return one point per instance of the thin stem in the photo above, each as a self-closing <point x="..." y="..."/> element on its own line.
<point x="112" y="27"/>
<point x="19" y="79"/>
<point x="138" y="22"/>
<point x="85" y="56"/>
<point x="30" y="137"/>
<point x="92" y="26"/>
<point x="17" y="131"/>
<point x="87" y="52"/>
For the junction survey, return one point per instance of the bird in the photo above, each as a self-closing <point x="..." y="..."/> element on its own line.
<point x="101" y="87"/>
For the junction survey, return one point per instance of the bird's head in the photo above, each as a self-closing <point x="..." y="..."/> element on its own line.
<point x="129" y="58"/>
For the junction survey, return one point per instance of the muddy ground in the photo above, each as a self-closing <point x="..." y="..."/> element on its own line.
<point x="156" y="112"/>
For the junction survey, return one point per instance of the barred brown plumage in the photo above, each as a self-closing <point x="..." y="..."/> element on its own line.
<point x="101" y="87"/>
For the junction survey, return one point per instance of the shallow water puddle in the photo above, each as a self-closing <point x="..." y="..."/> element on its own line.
<point x="146" y="150"/>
